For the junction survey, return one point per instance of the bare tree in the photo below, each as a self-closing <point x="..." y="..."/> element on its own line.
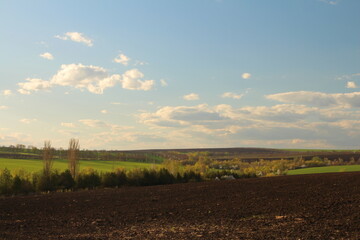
<point x="47" y="158"/>
<point x="73" y="156"/>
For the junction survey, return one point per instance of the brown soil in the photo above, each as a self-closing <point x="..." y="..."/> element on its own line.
<point x="325" y="206"/>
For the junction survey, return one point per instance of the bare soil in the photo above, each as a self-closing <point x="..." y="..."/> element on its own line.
<point x="323" y="206"/>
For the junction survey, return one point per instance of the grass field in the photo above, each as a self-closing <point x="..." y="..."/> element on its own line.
<point x="319" y="150"/>
<point x="329" y="169"/>
<point x="37" y="165"/>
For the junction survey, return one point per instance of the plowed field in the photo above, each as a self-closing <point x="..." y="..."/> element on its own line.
<point x="324" y="206"/>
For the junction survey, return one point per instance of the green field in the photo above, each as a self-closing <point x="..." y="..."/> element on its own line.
<point x="37" y="165"/>
<point x="329" y="169"/>
<point x="319" y="150"/>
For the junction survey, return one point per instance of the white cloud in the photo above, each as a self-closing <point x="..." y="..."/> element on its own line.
<point x="351" y="85"/>
<point x="321" y="99"/>
<point x="2" y="107"/>
<point x="93" y="123"/>
<point x="6" y="92"/>
<point x="104" y="111"/>
<point x="28" y="120"/>
<point x="66" y="124"/>
<point x="33" y="85"/>
<point x="76" y="37"/>
<point x="181" y="116"/>
<point x="11" y="138"/>
<point x="331" y="2"/>
<point x="123" y="59"/>
<point x="163" y="82"/>
<point x="246" y="75"/>
<point x="47" y="55"/>
<point x="93" y="78"/>
<point x="349" y="76"/>
<point x="232" y="95"/>
<point x="140" y="63"/>
<point x="117" y="103"/>
<point x="131" y="80"/>
<point x="191" y="97"/>
<point x="283" y="122"/>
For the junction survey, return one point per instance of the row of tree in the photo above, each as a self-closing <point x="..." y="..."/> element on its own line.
<point x="73" y="157"/>
<point x="23" y="183"/>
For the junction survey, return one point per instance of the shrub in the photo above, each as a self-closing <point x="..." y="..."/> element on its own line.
<point x="149" y="178"/>
<point x="21" y="186"/>
<point x="66" y="181"/>
<point x="191" y="176"/>
<point x="88" y="179"/>
<point x="165" y="177"/>
<point x="6" y="182"/>
<point x="45" y="183"/>
<point x="135" y="177"/>
<point x="109" y="179"/>
<point x="121" y="178"/>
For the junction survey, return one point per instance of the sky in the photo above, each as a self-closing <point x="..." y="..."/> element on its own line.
<point x="161" y="74"/>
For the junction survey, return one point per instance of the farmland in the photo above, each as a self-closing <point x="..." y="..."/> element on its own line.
<point x="259" y="161"/>
<point x="327" y="169"/>
<point x="322" y="206"/>
<point x="34" y="165"/>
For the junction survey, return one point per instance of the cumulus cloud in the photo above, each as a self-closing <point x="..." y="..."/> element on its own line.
<point x="11" y="138"/>
<point x="320" y="99"/>
<point x="94" y="123"/>
<point x="76" y="37"/>
<point x="279" y="122"/>
<point x="351" y="85"/>
<point x="67" y="124"/>
<point x="122" y="59"/>
<point x="181" y="116"/>
<point x="93" y="78"/>
<point x="232" y="95"/>
<point x="246" y="75"/>
<point x="131" y="79"/>
<point x="191" y="97"/>
<point x="28" y="120"/>
<point x="47" y="55"/>
<point x="104" y="111"/>
<point x="33" y="85"/>
<point x="6" y="92"/>
<point x="2" y="107"/>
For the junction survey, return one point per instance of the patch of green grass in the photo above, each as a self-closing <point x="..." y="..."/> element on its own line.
<point x="328" y="169"/>
<point x="31" y="165"/>
<point x="319" y="150"/>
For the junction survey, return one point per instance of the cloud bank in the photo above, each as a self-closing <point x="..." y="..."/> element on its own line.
<point x="320" y="99"/>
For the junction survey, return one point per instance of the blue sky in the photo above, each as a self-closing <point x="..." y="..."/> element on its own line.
<point x="145" y="74"/>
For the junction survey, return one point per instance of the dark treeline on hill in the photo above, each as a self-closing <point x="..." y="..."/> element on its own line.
<point x="21" y="151"/>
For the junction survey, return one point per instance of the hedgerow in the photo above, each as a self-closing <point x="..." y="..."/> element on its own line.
<point x="14" y="183"/>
